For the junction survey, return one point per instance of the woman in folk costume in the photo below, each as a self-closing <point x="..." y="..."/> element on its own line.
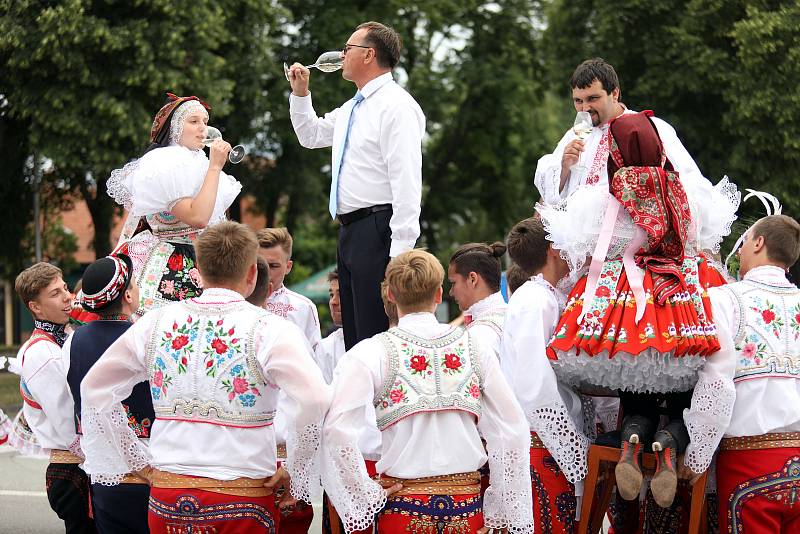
<point x="171" y="194"/>
<point x="639" y="321"/>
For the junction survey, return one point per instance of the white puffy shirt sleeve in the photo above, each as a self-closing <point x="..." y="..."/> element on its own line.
<point x="508" y="501"/>
<point x="286" y="358"/>
<point x="311" y="131"/>
<point x="530" y="319"/>
<point x="715" y="392"/>
<point x="111" y="447"/>
<point x="355" y="495"/>
<point x="548" y="172"/>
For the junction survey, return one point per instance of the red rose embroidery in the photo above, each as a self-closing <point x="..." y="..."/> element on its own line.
<point x="184" y="361"/>
<point x="419" y="363"/>
<point x="396" y="396"/>
<point x="175" y="263"/>
<point x="603" y="291"/>
<point x="452" y="361"/>
<point x="230" y="332"/>
<point x="158" y="379"/>
<point x="209" y="363"/>
<point x="219" y="346"/>
<point x="179" y="342"/>
<point x="219" y="323"/>
<point x="240" y="385"/>
<point x="797" y="318"/>
<point x="475" y="391"/>
<point x="768" y="316"/>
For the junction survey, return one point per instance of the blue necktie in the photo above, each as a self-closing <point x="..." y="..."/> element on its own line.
<point x="333" y="200"/>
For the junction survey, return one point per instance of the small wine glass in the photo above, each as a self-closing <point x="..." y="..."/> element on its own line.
<point x="237" y="153"/>
<point x="582" y="127"/>
<point x="326" y="62"/>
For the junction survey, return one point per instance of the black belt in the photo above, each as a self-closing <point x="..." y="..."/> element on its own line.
<point x="353" y="216"/>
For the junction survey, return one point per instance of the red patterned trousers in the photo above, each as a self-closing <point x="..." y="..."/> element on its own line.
<point x="554" y="503"/>
<point x="759" y="491"/>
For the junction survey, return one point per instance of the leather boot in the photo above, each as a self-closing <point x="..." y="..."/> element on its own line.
<point x="665" y="481"/>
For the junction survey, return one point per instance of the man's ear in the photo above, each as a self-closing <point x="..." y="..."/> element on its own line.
<point x="252" y="274"/>
<point x="34" y="307"/>
<point x="390" y="295"/>
<point x="616" y="94"/>
<point x="438" y="298"/>
<point x="270" y="288"/>
<point x="289" y="264"/>
<point x="758" y="243"/>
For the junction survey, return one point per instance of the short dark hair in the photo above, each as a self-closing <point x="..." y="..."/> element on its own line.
<point x="594" y="69"/>
<point x="515" y="277"/>
<point x="333" y="275"/>
<point x="527" y="245"/>
<point x="781" y="236"/>
<point x="259" y="294"/>
<point x="482" y="259"/>
<point x="386" y="42"/>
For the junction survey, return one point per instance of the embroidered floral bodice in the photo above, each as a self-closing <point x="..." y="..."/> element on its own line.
<point x="202" y="365"/>
<point x="767" y="321"/>
<point x="428" y="375"/>
<point x="490" y="311"/>
<point x="166" y="226"/>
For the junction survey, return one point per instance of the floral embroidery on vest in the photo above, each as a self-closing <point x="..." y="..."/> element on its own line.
<point x="428" y="375"/>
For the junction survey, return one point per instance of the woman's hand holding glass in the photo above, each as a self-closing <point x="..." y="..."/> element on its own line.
<point x="218" y="152"/>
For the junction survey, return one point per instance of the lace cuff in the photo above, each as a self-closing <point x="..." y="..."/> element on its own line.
<point x="589" y="420"/>
<point x="706" y="420"/>
<point x="118" y="185"/>
<point x="506" y="503"/>
<point x="303" y="462"/>
<point x="548" y="182"/>
<point x="111" y="447"/>
<point x="357" y="497"/>
<point x="563" y="440"/>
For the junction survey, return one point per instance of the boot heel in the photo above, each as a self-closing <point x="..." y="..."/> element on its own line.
<point x="627" y="472"/>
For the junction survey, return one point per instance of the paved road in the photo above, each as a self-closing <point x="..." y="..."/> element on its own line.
<point x="23" y="503"/>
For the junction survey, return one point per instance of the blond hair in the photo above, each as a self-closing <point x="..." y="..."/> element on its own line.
<point x="30" y="282"/>
<point x="414" y="277"/>
<point x="225" y="252"/>
<point x="389" y="307"/>
<point x="781" y="236"/>
<point x="272" y="237"/>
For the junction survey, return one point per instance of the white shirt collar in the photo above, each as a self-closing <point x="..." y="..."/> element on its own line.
<point x="769" y="274"/>
<point x="376" y="83"/>
<point x="412" y="320"/>
<point x="218" y="295"/>
<point x="492" y="302"/>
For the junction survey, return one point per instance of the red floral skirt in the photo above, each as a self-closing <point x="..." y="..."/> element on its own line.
<point x="608" y="349"/>
<point x="453" y="514"/>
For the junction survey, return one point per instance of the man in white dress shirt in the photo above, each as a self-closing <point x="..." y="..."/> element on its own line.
<point x="596" y="90"/>
<point x="275" y="246"/>
<point x="376" y="185"/>
<point x="48" y="406"/>
<point x="553" y="411"/>
<point x="474" y="274"/>
<point x="436" y="392"/>
<point x="747" y="397"/>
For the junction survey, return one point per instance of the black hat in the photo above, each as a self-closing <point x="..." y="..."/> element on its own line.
<point x="105" y="281"/>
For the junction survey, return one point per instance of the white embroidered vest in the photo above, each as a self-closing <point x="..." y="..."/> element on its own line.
<point x="427" y="375"/>
<point x="767" y="335"/>
<point x="203" y="368"/>
<point x="494" y="319"/>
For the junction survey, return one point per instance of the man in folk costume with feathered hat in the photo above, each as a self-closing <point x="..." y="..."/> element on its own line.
<point x="215" y="364"/>
<point x="110" y="292"/>
<point x="48" y="406"/>
<point x="639" y="321"/>
<point x="748" y="393"/>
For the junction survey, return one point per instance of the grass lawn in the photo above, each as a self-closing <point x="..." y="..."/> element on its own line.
<point x="10" y="401"/>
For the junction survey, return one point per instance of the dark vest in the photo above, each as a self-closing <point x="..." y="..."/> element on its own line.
<point x="88" y="343"/>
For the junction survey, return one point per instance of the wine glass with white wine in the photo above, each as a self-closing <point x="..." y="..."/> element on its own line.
<point x="326" y="62"/>
<point x="582" y="127"/>
<point x="237" y="153"/>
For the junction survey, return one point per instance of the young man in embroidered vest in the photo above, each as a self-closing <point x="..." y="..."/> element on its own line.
<point x="558" y="445"/>
<point x="748" y="393"/>
<point x="474" y="274"/>
<point x="263" y="287"/>
<point x="109" y="292"/>
<point x="436" y="390"/>
<point x="275" y="246"/>
<point x="48" y="406"/>
<point x="215" y="364"/>
<point x="331" y="348"/>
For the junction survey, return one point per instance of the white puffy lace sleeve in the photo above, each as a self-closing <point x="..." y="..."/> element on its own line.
<point x="508" y="500"/>
<point x="111" y="448"/>
<point x="548" y="173"/>
<point x="157" y="180"/>
<point x="715" y="393"/>
<point x="713" y="211"/>
<point x="286" y="359"/>
<point x="356" y="497"/>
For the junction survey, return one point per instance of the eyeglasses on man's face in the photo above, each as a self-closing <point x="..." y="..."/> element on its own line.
<point x="348" y="46"/>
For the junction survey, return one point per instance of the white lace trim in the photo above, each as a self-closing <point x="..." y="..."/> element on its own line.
<point x="179" y="118"/>
<point x="589" y="417"/>
<point x="648" y="372"/>
<point x="562" y="438"/>
<point x="706" y="421"/>
<point x="356" y="497"/>
<point x="111" y="447"/>
<point x="506" y="503"/>
<point x="713" y="211"/>
<point x="487" y="305"/>
<point x="118" y="185"/>
<point x="22" y="439"/>
<point x="303" y="462"/>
